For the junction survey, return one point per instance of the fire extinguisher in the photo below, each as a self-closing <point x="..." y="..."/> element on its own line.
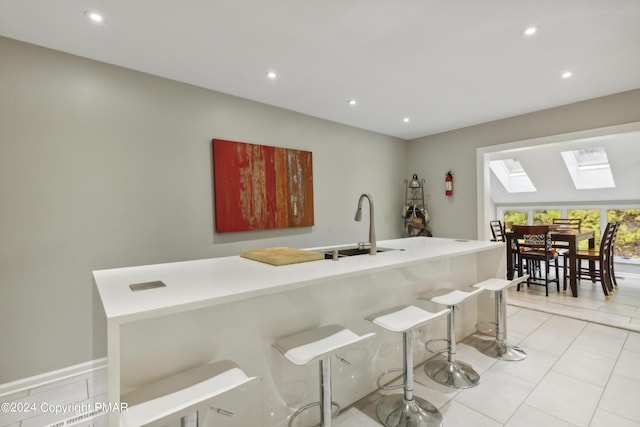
<point x="448" y="184"/>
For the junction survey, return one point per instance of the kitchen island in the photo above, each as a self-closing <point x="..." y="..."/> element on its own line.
<point x="235" y="308"/>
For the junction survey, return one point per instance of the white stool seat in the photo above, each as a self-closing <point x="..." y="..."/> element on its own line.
<point x="305" y="347"/>
<point x="495" y="284"/>
<point x="319" y="344"/>
<point x="454" y="297"/>
<point x="404" y="318"/>
<point x="180" y="394"/>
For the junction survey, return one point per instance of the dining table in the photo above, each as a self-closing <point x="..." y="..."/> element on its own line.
<point x="562" y="238"/>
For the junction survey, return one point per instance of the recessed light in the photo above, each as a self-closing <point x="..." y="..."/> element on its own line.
<point x="530" y="31"/>
<point x="567" y="74"/>
<point x="351" y="102"/>
<point x="272" y="75"/>
<point x="406" y="120"/>
<point x="94" y="16"/>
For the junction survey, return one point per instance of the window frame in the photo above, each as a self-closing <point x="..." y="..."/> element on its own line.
<point x="564" y="213"/>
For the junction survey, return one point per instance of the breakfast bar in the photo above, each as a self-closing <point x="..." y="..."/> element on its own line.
<point x="233" y="308"/>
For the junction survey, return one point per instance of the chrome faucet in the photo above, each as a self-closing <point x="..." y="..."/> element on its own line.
<point x="372" y="229"/>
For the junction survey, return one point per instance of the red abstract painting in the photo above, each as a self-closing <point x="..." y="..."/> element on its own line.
<point x="259" y="187"/>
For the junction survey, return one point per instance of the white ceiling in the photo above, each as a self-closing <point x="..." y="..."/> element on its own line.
<point x="444" y="64"/>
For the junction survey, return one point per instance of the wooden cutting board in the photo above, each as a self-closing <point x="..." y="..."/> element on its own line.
<point x="281" y="255"/>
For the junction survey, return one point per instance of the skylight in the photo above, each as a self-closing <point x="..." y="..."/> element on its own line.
<point x="512" y="176"/>
<point x="514" y="167"/>
<point x="589" y="168"/>
<point x="591" y="158"/>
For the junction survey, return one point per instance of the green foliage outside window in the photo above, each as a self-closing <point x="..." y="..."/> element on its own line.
<point x="545" y="216"/>
<point x="628" y="239"/>
<point x="590" y="219"/>
<point x="516" y="217"/>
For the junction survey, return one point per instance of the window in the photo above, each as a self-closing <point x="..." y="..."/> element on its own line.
<point x="516" y="217"/>
<point x="589" y="168"/>
<point x="627" y="241"/>
<point x="545" y="216"/>
<point x="591" y="158"/>
<point x="628" y="238"/>
<point x="512" y="175"/>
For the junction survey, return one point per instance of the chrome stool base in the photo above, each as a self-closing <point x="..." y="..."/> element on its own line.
<point x="453" y="374"/>
<point x="303" y="408"/>
<point x="406" y="410"/>
<point x="395" y="411"/>
<point x="500" y="350"/>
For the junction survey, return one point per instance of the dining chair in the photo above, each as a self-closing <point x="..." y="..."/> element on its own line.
<point x="600" y="262"/>
<point x="534" y="246"/>
<point x="612" y="272"/>
<point x="497" y="230"/>
<point x="567" y="223"/>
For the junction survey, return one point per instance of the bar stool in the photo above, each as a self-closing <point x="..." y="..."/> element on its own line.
<point x="180" y="395"/>
<point x="450" y="372"/>
<point x="319" y="344"/>
<point x="498" y="348"/>
<point x="406" y="410"/>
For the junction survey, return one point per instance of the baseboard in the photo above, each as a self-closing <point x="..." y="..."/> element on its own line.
<point x="51" y="377"/>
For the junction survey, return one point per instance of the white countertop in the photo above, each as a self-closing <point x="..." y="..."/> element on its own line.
<point x="207" y="282"/>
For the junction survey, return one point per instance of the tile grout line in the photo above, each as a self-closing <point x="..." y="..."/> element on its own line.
<point x="617" y="359"/>
<point x="536" y="385"/>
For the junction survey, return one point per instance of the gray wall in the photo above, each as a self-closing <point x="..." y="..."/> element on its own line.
<point x="432" y="156"/>
<point x="103" y="167"/>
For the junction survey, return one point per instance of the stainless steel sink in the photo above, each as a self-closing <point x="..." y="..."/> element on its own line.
<point x="351" y="251"/>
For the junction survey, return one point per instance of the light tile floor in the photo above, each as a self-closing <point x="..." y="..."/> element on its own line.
<point x="622" y="310"/>
<point x="582" y="366"/>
